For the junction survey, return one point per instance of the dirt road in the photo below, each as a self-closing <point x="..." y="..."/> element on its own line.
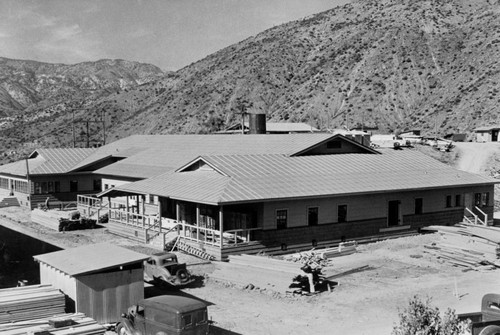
<point x="476" y="157"/>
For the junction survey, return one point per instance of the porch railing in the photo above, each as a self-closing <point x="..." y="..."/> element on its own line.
<point x="213" y="236"/>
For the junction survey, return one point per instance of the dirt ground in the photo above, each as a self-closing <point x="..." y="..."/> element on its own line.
<point x="366" y="302"/>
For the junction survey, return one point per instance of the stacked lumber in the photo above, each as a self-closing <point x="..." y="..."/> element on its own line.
<point x="49" y="219"/>
<point x="470" y="246"/>
<point x="61" y="324"/>
<point x="257" y="271"/>
<point x="28" y="302"/>
<point x="344" y="248"/>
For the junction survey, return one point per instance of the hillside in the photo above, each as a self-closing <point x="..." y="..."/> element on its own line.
<point x="391" y="64"/>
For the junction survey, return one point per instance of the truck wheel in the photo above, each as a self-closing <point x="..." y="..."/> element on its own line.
<point x="490" y="330"/>
<point x="182" y="274"/>
<point x="122" y="330"/>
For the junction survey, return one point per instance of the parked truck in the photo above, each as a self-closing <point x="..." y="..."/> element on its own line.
<point x="165" y="315"/>
<point x="487" y="321"/>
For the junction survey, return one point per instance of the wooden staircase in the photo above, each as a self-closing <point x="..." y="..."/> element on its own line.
<point x="9" y="202"/>
<point x="189" y="249"/>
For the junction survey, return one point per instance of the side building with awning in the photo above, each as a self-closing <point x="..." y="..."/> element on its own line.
<point x="101" y="280"/>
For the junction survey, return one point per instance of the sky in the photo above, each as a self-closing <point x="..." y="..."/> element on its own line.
<point x="167" y="33"/>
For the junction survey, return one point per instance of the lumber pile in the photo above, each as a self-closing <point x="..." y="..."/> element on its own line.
<point x="261" y="272"/>
<point x="60" y="324"/>
<point x="29" y="302"/>
<point x="344" y="248"/>
<point x="471" y="246"/>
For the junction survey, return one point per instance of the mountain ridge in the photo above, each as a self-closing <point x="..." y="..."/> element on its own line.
<point x="394" y="65"/>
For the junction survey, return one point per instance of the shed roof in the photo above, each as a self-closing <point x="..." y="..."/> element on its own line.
<point x="48" y="161"/>
<point x="247" y="178"/>
<point x="487" y="128"/>
<point x="90" y="258"/>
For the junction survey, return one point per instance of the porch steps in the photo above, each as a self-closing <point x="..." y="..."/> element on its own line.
<point x="181" y="245"/>
<point x="9" y="202"/>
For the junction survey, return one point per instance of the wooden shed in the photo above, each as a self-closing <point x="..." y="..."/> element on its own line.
<point x="488" y="133"/>
<point x="101" y="280"/>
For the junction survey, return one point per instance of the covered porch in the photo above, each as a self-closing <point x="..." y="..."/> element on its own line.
<point x="208" y="227"/>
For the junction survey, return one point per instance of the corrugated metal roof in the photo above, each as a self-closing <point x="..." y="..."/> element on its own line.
<point x="268" y="177"/>
<point x="90" y="258"/>
<point x="172" y="151"/>
<point x="487" y="128"/>
<point x="48" y="161"/>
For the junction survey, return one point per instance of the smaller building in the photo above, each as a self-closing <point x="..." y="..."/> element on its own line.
<point x="487" y="133"/>
<point x="100" y="280"/>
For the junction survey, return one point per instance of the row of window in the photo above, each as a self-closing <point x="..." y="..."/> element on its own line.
<point x="480" y="200"/>
<point x="312" y="216"/>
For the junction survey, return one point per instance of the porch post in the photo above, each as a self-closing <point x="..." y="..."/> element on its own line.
<point x="143" y="200"/>
<point x="221" y="225"/>
<point x="178" y="218"/>
<point x="159" y="212"/>
<point x="198" y="222"/>
<point x="127" y="207"/>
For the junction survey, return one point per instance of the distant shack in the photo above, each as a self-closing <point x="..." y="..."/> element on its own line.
<point x="100" y="280"/>
<point x="487" y="133"/>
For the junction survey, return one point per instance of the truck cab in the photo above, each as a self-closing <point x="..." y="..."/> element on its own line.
<point x="165" y="315"/>
<point x="487" y="321"/>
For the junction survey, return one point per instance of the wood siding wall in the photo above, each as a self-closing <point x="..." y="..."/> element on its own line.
<point x="368" y="207"/>
<point x="104" y="296"/>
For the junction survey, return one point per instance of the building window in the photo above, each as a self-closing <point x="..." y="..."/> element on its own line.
<point x="57" y="186"/>
<point x="97" y="185"/>
<point x="477" y="199"/>
<point x="448" y="201"/>
<point x="458" y="200"/>
<point x="73" y="185"/>
<point x="106" y="186"/>
<point x="38" y="188"/>
<point x="151" y="199"/>
<point x="342" y="213"/>
<point x="45" y="187"/>
<point x="335" y="144"/>
<point x="312" y="216"/>
<point x="485" y="199"/>
<point x="419" y="205"/>
<point x="281" y="218"/>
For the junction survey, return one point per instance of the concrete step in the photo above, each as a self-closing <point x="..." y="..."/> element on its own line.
<point x="9" y="202"/>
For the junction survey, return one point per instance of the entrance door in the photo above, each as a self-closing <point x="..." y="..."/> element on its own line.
<point x="312" y="216"/>
<point x="494" y="135"/>
<point x="393" y="213"/>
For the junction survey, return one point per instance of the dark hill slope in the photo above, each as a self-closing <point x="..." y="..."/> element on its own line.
<point x="392" y="64"/>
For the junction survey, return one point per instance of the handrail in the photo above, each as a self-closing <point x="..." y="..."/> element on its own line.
<point x="473" y="214"/>
<point x="485" y="222"/>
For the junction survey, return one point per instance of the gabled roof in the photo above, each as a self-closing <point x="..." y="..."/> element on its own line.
<point x="155" y="154"/>
<point x="250" y="178"/>
<point x="47" y="161"/>
<point x="90" y="258"/>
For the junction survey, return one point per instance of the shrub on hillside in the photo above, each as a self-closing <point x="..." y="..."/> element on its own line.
<point x="423" y="319"/>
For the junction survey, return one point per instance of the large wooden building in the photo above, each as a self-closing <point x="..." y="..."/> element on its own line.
<point x="227" y="194"/>
<point x="100" y="280"/>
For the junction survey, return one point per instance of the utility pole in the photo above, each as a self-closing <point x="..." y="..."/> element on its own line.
<point x="87" y="122"/>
